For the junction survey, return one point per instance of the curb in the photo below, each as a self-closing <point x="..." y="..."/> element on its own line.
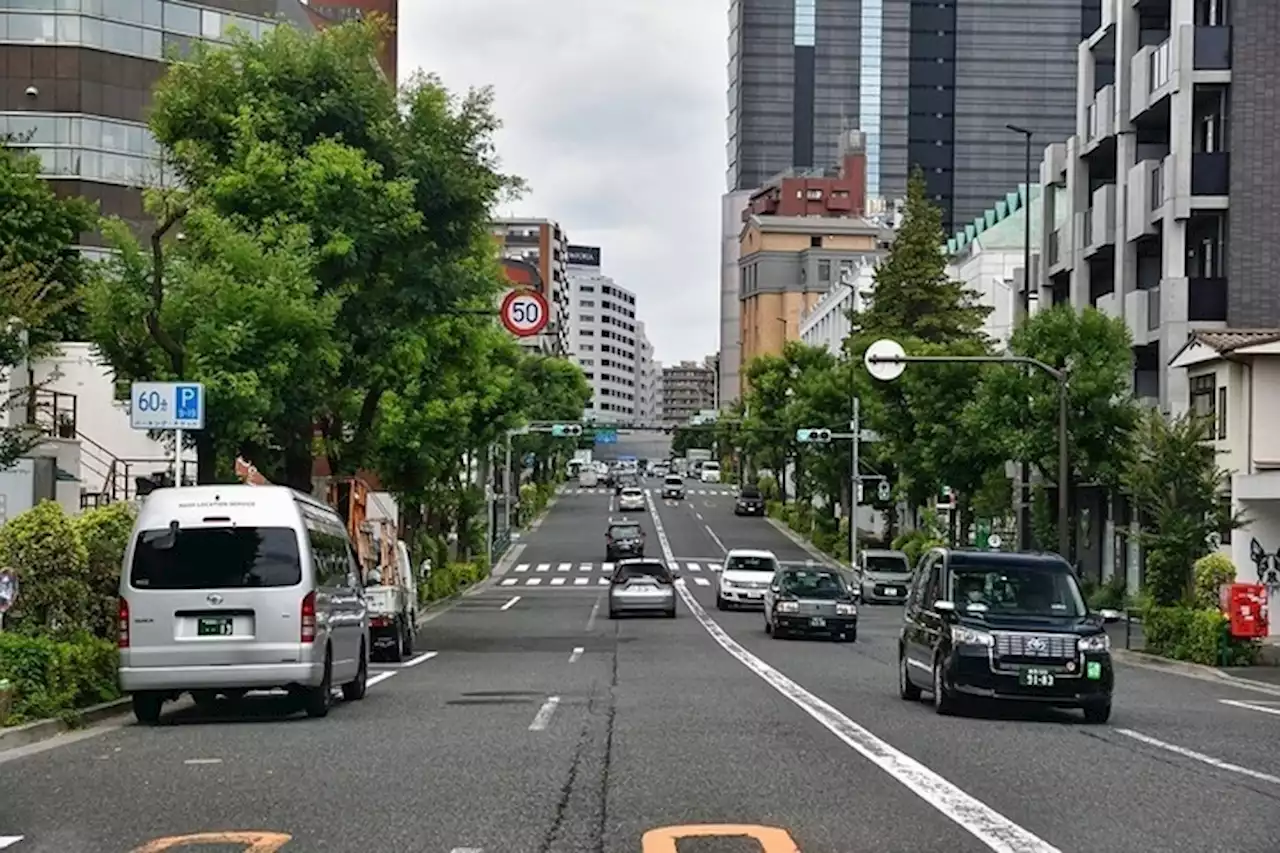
<point x="1191" y="670"/>
<point x="809" y="547"/>
<point x="34" y="732"/>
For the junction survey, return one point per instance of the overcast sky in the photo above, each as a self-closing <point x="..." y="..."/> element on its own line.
<point x="615" y="115"/>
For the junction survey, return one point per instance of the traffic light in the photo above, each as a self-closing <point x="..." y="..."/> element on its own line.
<point x="813" y="436"/>
<point x="566" y="430"/>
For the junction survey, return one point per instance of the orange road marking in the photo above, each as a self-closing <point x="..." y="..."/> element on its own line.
<point x="771" y="839"/>
<point x="257" y="842"/>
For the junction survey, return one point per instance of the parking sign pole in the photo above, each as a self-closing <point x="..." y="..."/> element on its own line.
<point x="854" y="481"/>
<point x="177" y="458"/>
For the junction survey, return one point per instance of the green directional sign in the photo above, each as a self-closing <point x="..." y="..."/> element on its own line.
<point x="813" y="436"/>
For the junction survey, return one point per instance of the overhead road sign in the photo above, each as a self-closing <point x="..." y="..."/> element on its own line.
<point x="881" y="360"/>
<point x="166" y="405"/>
<point x="813" y="436"/>
<point x="525" y="313"/>
<point x="566" y="430"/>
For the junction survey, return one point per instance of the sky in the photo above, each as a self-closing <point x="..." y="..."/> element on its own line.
<point x="614" y="113"/>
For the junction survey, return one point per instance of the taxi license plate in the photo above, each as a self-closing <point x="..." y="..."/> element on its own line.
<point x="889" y="590"/>
<point x="1035" y="678"/>
<point x="817" y="622"/>
<point x="220" y="627"/>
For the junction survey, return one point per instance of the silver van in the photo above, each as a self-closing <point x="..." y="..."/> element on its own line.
<point x="228" y="589"/>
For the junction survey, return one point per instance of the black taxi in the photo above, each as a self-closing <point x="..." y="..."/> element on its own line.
<point x="1003" y="626"/>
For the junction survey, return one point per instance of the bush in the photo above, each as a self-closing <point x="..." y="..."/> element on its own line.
<point x="768" y="488"/>
<point x="56" y="599"/>
<point x="914" y="543"/>
<point x="105" y="533"/>
<point x="452" y="578"/>
<point x="1111" y="595"/>
<point x="1212" y="571"/>
<point x="50" y="677"/>
<point x="1195" y="635"/>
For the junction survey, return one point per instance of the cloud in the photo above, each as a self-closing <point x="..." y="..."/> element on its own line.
<point x="614" y="113"/>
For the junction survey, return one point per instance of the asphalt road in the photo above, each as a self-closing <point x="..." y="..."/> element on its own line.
<point x="535" y="724"/>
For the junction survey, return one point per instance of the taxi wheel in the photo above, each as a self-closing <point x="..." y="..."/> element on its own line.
<point x="1097" y="713"/>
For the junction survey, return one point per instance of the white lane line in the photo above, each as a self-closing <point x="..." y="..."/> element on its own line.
<point x="586" y="567"/>
<point x="693" y="567"/>
<point x="697" y="515"/>
<point x="10" y="840"/>
<point x="544" y="567"/>
<point x="379" y="678"/>
<point x="719" y="544"/>
<point x="602" y="582"/>
<point x="557" y="581"/>
<point x="702" y="582"/>
<point x="194" y="761"/>
<point x="523" y="567"/>
<point x="564" y="567"/>
<point x="577" y="653"/>
<point x="608" y="567"/>
<point x="595" y="610"/>
<point x="533" y="581"/>
<point x="543" y="718"/>
<point x="510" y="581"/>
<point x="422" y="658"/>
<point x="715" y="567"/>
<point x="581" y="581"/>
<point x="467" y="850"/>
<point x="512" y="603"/>
<point x="1199" y="756"/>
<point x="1236" y="703"/>
<point x="983" y="822"/>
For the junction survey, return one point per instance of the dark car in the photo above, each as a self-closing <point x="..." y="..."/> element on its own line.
<point x="1003" y="626"/>
<point x="812" y="601"/>
<point x="623" y="539"/>
<point x="750" y="502"/>
<point x="625" y="481"/>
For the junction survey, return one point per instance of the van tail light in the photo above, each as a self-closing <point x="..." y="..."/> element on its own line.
<point x="309" y="618"/>
<point x="122" y="629"/>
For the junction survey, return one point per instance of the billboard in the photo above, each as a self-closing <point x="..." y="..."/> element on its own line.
<point x="584" y="256"/>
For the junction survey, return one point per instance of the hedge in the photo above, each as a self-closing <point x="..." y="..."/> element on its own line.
<point x="1196" y="635"/>
<point x="451" y="578"/>
<point x="50" y="678"/>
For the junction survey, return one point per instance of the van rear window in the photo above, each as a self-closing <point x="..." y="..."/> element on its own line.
<point x="216" y="558"/>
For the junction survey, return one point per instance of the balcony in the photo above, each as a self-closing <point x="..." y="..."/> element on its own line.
<point x="1211" y="50"/>
<point x="1100" y="219"/>
<point x="1211" y="173"/>
<point x="1102" y="117"/>
<point x="1153" y="309"/>
<point x="1206" y="300"/>
<point x="1055" y="247"/>
<point x="1137" y="315"/>
<point x="1152" y="77"/>
<point x="1141" y="191"/>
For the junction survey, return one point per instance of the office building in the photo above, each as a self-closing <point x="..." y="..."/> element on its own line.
<point x="542" y="244"/>
<point x="648" y="380"/>
<point x="688" y="389"/>
<point x="930" y="84"/>
<point x="1162" y="203"/>
<point x="327" y="12"/>
<point x="604" y="337"/>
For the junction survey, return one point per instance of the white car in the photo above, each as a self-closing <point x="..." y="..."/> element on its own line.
<point x="710" y="472"/>
<point x="745" y="578"/>
<point x="632" y="498"/>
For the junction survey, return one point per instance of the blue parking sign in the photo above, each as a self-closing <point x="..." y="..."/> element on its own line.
<point x="188" y="404"/>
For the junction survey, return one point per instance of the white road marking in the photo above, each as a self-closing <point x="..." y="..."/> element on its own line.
<point x="557" y="581"/>
<point x="577" y="653"/>
<point x="564" y="567"/>
<point x="467" y="850"/>
<point x="543" y="717"/>
<point x="1252" y="706"/>
<point x="585" y="567"/>
<point x="1199" y="756"/>
<point x="697" y="515"/>
<point x="715" y="567"/>
<point x="608" y="567"/>
<point x="379" y="678"/>
<point x="510" y="581"/>
<point x="985" y="824"/>
<point x="10" y="840"/>
<point x="422" y="658"/>
<point x="203" y="761"/>
<point x="693" y="567"/>
<point x="523" y="567"/>
<point x="595" y="610"/>
<point x="602" y="581"/>
<point x="512" y="603"/>
<point x="702" y="582"/>
<point x="581" y="581"/>
<point x="544" y="567"/>
<point x="533" y="581"/>
<point x="716" y="538"/>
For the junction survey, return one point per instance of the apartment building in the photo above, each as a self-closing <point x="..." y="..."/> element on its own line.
<point x="688" y="388"/>
<point x="327" y="12"/>
<point x="542" y="244"/>
<point x="1161" y="205"/>
<point x="605" y="338"/>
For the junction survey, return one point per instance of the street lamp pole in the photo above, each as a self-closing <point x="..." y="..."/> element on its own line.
<point x="1059" y="376"/>
<point x="1024" y="474"/>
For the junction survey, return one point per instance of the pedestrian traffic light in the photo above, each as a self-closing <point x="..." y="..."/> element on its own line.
<point x="813" y="436"/>
<point x="566" y="430"/>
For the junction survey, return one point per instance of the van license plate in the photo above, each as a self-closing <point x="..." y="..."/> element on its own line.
<point x="1035" y="678"/>
<point x="817" y="622"/>
<point x="220" y="627"/>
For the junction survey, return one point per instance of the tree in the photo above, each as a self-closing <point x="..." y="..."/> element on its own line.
<point x="558" y="392"/>
<point x="1175" y="483"/>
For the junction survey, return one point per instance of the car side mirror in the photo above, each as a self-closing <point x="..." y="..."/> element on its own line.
<point x="1109" y="615"/>
<point x="775" y="589"/>
<point x="945" y="608"/>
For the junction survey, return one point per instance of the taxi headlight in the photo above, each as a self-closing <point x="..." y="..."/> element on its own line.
<point x="962" y="636"/>
<point x="788" y="607"/>
<point x="1096" y="643"/>
<point x="846" y="610"/>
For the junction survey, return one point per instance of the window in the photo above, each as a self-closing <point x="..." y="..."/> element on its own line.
<point x="216" y="558"/>
<point x="211" y="24"/>
<point x="330" y="556"/>
<point x="1018" y="590"/>
<point x="1222" y="412"/>
<point x="1204" y="392"/>
<point x="824" y="271"/>
<point x="815" y="242"/>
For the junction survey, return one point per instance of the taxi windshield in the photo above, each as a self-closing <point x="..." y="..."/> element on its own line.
<point x="823" y="585"/>
<point x="625" y="531"/>
<point x="1014" y="591"/>
<point x="750" y="564"/>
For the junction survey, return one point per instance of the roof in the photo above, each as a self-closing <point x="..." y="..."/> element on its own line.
<point x="881" y="552"/>
<point x="1001" y="226"/>
<point x="750" y="552"/>
<point x="960" y="557"/>
<point x="816" y="225"/>
<point x="1212" y="344"/>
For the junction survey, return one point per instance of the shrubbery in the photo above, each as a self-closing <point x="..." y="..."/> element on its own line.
<point x="451" y="578"/>
<point x="52" y="677"/>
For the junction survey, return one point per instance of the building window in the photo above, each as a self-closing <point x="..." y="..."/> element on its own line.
<point x="815" y="242"/>
<point x="1222" y="412"/>
<point x="1204" y="393"/>
<point x="824" y="271"/>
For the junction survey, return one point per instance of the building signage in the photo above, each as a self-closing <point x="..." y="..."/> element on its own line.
<point x="584" y="256"/>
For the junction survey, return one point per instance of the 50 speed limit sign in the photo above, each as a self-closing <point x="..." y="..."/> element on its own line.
<point x="525" y="313"/>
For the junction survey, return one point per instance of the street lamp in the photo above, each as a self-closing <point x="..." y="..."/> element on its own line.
<point x="1024" y="474"/>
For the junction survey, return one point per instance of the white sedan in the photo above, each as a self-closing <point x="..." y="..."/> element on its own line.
<point x="632" y="498"/>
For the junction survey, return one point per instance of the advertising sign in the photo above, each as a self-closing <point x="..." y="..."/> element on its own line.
<point x="584" y="256"/>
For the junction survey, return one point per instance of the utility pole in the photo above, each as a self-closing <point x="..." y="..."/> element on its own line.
<point x="1024" y="472"/>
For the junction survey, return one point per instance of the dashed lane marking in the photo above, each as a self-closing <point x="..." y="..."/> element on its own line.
<point x="523" y="567"/>
<point x="543" y="718"/>
<point x="544" y="567"/>
<point x="422" y="658"/>
<point x="10" y="840"/>
<point x="510" y="604"/>
<point x="576" y="653"/>
<point x="379" y="678"/>
<point x="1199" y="756"/>
<point x="564" y="567"/>
<point x="198" y="761"/>
<point x="1261" y="707"/>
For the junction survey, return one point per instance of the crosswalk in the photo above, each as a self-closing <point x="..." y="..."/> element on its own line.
<point x="578" y="490"/>
<point x="590" y="575"/>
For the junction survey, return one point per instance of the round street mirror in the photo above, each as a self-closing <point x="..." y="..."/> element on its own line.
<point x="993" y="541"/>
<point x="8" y="590"/>
<point x="885" y="371"/>
<point x="884" y="491"/>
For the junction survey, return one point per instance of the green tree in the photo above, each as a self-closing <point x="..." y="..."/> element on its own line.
<point x="1173" y="478"/>
<point x="558" y="392"/>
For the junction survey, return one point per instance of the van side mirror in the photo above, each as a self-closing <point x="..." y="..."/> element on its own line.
<point x="1109" y="615"/>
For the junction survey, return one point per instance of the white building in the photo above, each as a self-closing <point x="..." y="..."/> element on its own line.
<point x="1233" y="379"/>
<point x="603" y="337"/>
<point x="826" y="324"/>
<point x="648" y="381"/>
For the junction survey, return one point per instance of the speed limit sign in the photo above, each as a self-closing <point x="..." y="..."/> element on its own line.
<point x="525" y="313"/>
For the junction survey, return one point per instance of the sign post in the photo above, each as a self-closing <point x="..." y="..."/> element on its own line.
<point x="176" y="406"/>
